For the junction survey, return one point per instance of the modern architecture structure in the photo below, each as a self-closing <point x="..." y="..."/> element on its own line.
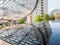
<point x="16" y="8"/>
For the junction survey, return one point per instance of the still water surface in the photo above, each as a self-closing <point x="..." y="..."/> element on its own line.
<point x="55" y="37"/>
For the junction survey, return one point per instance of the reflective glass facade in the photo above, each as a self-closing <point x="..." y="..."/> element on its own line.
<point x="16" y="8"/>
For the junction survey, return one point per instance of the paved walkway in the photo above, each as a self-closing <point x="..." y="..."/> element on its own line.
<point x="3" y="42"/>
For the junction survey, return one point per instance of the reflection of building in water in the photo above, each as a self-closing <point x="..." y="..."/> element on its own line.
<point x="27" y="34"/>
<point x="45" y="30"/>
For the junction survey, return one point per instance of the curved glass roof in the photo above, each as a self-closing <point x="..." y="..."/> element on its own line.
<point x="16" y="8"/>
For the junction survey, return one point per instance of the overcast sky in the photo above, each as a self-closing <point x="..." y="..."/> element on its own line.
<point x="53" y="4"/>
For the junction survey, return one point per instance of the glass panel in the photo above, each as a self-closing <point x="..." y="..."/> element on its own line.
<point x="16" y="8"/>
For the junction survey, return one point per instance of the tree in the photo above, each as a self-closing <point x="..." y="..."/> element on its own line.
<point x="0" y="26"/>
<point x="57" y="15"/>
<point x="46" y="17"/>
<point x="21" y="21"/>
<point x="52" y="17"/>
<point x="7" y="24"/>
<point x="37" y="18"/>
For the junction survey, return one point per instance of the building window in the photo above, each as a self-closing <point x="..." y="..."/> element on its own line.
<point x="41" y="7"/>
<point x="41" y="0"/>
<point x="42" y="13"/>
<point x="42" y="10"/>
<point x="41" y="4"/>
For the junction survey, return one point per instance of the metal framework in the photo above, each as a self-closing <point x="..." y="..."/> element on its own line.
<point x="22" y="8"/>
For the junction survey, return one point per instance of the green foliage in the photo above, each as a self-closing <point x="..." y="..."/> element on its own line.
<point x="37" y="18"/>
<point x="51" y="18"/>
<point x="46" y="17"/>
<point x="7" y="24"/>
<point x="21" y="21"/>
<point x="0" y="26"/>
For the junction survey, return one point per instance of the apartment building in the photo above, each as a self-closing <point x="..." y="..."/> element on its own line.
<point x="42" y="8"/>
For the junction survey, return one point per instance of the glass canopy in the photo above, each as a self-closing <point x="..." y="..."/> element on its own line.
<point x="17" y="8"/>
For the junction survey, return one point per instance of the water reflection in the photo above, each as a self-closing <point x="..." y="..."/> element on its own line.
<point x="27" y="34"/>
<point x="55" y="38"/>
<point x="45" y="31"/>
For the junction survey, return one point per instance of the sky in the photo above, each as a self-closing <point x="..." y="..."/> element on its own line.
<point x="53" y="4"/>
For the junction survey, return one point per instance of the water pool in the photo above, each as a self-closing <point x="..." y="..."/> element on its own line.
<point x="55" y="37"/>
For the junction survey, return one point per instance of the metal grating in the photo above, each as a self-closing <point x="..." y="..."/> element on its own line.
<point x="19" y="37"/>
<point x="14" y="8"/>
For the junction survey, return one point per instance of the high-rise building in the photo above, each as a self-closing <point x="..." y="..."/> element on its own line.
<point x="42" y="8"/>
